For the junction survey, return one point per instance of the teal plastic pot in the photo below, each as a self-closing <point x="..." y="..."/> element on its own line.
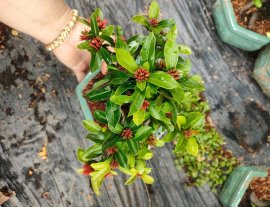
<point x="238" y="182"/>
<point x="79" y="89"/>
<point x="261" y="71"/>
<point x="230" y="32"/>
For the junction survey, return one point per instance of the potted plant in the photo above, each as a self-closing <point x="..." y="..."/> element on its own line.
<point x="247" y="184"/>
<point x="243" y="23"/>
<point x="147" y="92"/>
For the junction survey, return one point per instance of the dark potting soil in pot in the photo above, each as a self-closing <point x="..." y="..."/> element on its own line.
<point x="252" y="18"/>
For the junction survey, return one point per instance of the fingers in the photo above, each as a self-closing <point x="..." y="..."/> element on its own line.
<point x="104" y="68"/>
<point x="80" y="76"/>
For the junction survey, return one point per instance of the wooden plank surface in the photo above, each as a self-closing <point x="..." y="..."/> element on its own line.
<point x="29" y="118"/>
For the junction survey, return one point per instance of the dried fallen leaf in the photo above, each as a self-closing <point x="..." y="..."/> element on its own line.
<point x="43" y="152"/>
<point x="14" y="32"/>
<point x="5" y="194"/>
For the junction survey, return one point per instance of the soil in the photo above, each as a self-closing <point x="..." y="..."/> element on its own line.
<point x="261" y="25"/>
<point x="3" y="35"/>
<point x="93" y="106"/>
<point x="260" y="187"/>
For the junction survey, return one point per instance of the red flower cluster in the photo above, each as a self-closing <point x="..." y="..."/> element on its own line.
<point x="84" y="36"/>
<point x="153" y="22"/>
<point x="102" y="23"/>
<point x="127" y="133"/>
<point x="141" y="74"/>
<point x="114" y="164"/>
<point x="96" y="43"/>
<point x="111" y="150"/>
<point x="174" y="73"/>
<point x="87" y="169"/>
<point x="145" y="104"/>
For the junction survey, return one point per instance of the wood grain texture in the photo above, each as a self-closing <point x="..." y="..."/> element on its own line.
<point x="239" y="110"/>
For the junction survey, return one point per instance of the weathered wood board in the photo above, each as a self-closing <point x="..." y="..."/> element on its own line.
<point x="38" y="107"/>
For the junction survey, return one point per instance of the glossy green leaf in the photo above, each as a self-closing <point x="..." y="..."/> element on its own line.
<point x="94" y="26"/>
<point x="121" y="99"/>
<point x="150" y="91"/>
<point x="257" y="3"/>
<point x="106" y="55"/>
<point x="96" y="137"/>
<point x="140" y="19"/>
<point x="118" y="77"/>
<point x="133" y="146"/>
<point x="172" y="33"/>
<point x="124" y="87"/>
<point x="119" y="31"/>
<point x="181" y="120"/>
<point x="148" y="50"/>
<point x="96" y="60"/>
<point x="126" y="60"/>
<point x="107" y="39"/>
<point x="171" y="53"/>
<point x="99" y="94"/>
<point x="181" y="144"/>
<point x="141" y="85"/>
<point x="195" y="120"/>
<point x="148" y="179"/>
<point x="85" y="22"/>
<point x="110" y="142"/>
<point x="192" y="146"/>
<point x="143" y="133"/>
<point x="133" y="47"/>
<point x="91" y="152"/>
<point x="154" y="10"/>
<point x="178" y="94"/>
<point x="169" y="136"/>
<point x="85" y="46"/>
<point x="117" y="129"/>
<point x="137" y="101"/>
<point x="98" y="13"/>
<point x="136" y="38"/>
<point x="190" y="84"/>
<point x="139" y="117"/>
<point x="166" y="23"/>
<point x="162" y="80"/>
<point x="108" y="30"/>
<point x="100" y="83"/>
<point x="91" y="126"/>
<point x="112" y="113"/>
<point x="131" y="179"/>
<point x="100" y="116"/>
<point x="121" y="158"/>
<point x="183" y="49"/>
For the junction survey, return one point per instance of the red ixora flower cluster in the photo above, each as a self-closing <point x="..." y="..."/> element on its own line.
<point x="153" y="22"/>
<point x="96" y="43"/>
<point x="102" y="23"/>
<point x="174" y="73"/>
<point x="145" y="104"/>
<point x="111" y="150"/>
<point x="127" y="133"/>
<point x="83" y="35"/>
<point x="141" y="74"/>
<point x="114" y="164"/>
<point x="87" y="169"/>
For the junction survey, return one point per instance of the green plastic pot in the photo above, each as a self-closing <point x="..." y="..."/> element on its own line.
<point x="79" y="89"/>
<point x="238" y="182"/>
<point x="230" y="32"/>
<point x="261" y="71"/>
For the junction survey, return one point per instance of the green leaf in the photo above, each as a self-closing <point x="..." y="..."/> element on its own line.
<point x="121" y="158"/>
<point x="100" y="83"/>
<point x="131" y="179"/>
<point x="139" y="117"/>
<point x="96" y="60"/>
<point x="181" y="144"/>
<point x="126" y="60"/>
<point x="183" y="49"/>
<point x="169" y="136"/>
<point x="91" y="152"/>
<point x="195" y="120"/>
<point x="108" y="30"/>
<point x="98" y="13"/>
<point x="172" y="33"/>
<point x="141" y="85"/>
<point x="124" y="87"/>
<point x="150" y="91"/>
<point x="112" y="113"/>
<point x="140" y="19"/>
<point x="121" y="44"/>
<point x="136" y="38"/>
<point x="154" y="10"/>
<point x="171" y="53"/>
<point x="121" y="99"/>
<point x="148" y="50"/>
<point x="257" y="3"/>
<point x="118" y="77"/>
<point x="138" y="98"/>
<point x="85" y="46"/>
<point x="84" y="21"/>
<point x="180" y="120"/>
<point x="91" y="126"/>
<point x="133" y="146"/>
<point x="133" y="46"/>
<point x="100" y="116"/>
<point x="110" y="142"/>
<point x="94" y="26"/>
<point x="119" y="31"/>
<point x="166" y="23"/>
<point x="106" y="55"/>
<point x="99" y="94"/>
<point x="192" y="146"/>
<point x="190" y="84"/>
<point x="143" y="133"/>
<point x="107" y="39"/>
<point x="178" y="94"/>
<point x="96" y="137"/>
<point x="162" y="80"/>
<point x="148" y="179"/>
<point x="117" y="129"/>
<point x="80" y="153"/>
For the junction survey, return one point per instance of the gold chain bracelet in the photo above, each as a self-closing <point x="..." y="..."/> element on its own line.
<point x="65" y="32"/>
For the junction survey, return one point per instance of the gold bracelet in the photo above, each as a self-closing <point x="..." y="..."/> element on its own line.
<point x="65" y="32"/>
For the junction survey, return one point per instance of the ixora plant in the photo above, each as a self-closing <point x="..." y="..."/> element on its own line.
<point x="146" y="92"/>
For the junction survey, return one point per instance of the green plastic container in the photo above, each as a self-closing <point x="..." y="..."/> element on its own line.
<point x="232" y="33"/>
<point x="238" y="182"/>
<point x="261" y="71"/>
<point x="86" y="111"/>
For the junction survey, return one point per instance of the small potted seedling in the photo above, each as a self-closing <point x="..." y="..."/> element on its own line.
<point x="147" y="91"/>
<point x="247" y="185"/>
<point x="243" y="23"/>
